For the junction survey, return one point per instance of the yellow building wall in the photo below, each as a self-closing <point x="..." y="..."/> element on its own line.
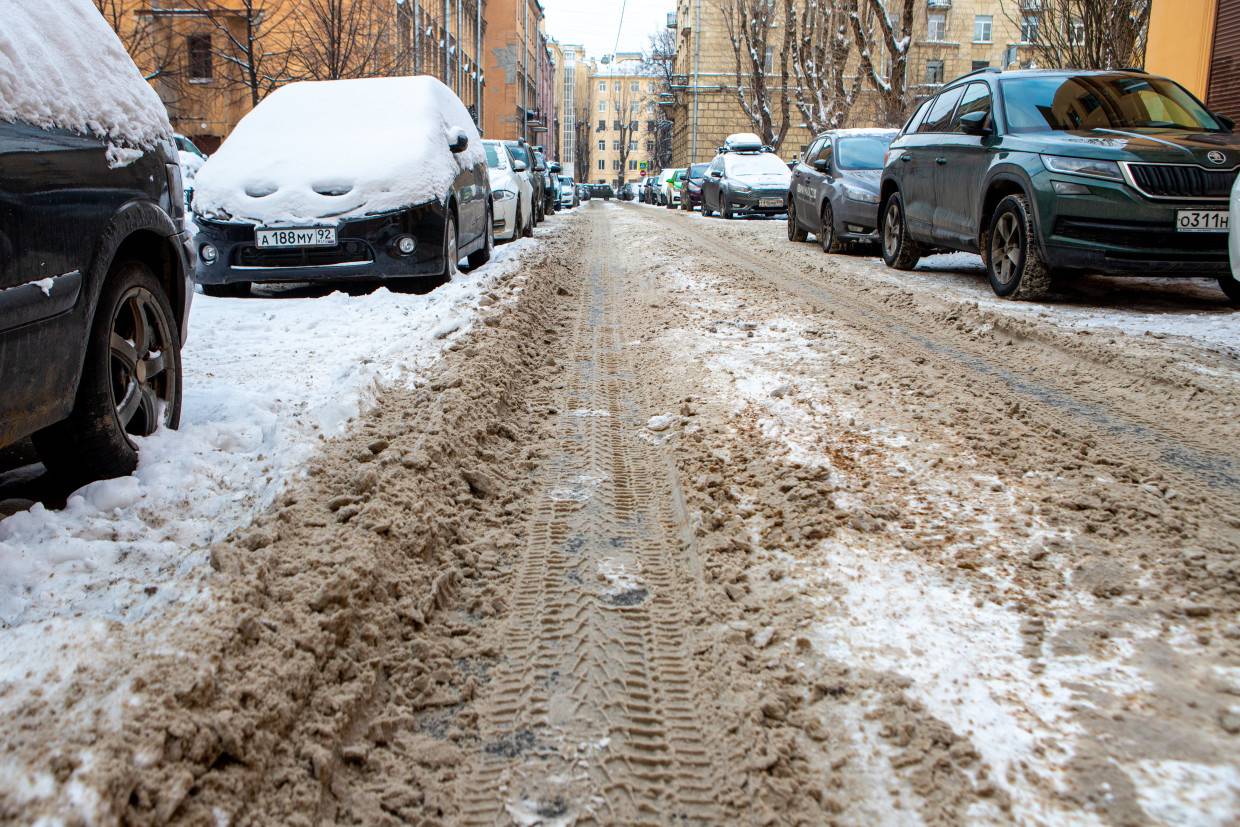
<point x="1180" y="40"/>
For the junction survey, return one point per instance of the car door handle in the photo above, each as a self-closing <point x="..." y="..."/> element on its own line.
<point x="940" y="161"/>
<point x="906" y="158"/>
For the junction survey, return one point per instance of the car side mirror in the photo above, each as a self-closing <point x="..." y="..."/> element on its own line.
<point x="519" y="166"/>
<point x="714" y="173"/>
<point x="821" y="165"/>
<point x="1225" y="121"/>
<point x="974" y="123"/>
<point x="458" y="141"/>
<point x="556" y="168"/>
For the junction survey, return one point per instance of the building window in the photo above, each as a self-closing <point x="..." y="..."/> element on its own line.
<point x="616" y="125"/>
<point x="934" y="72"/>
<point x="936" y="27"/>
<point x="602" y="86"/>
<point x="632" y="146"/>
<point x="635" y="86"/>
<point x="982" y="25"/>
<point x="602" y="165"/>
<point x="199" y="48"/>
<point x="768" y="60"/>
<point x="650" y="146"/>
<point x="602" y="106"/>
<point x="650" y="87"/>
<point x="633" y="165"/>
<point x="602" y="125"/>
<point x="615" y="165"/>
<point x="1029" y="29"/>
<point x="616" y="86"/>
<point x="979" y="64"/>
<point x="1076" y="32"/>
<point x="615" y="145"/>
<point x="602" y="146"/>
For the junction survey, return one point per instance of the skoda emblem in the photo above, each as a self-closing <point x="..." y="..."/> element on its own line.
<point x="1216" y="157"/>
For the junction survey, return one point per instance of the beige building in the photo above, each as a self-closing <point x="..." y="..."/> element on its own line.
<point x="571" y="76"/>
<point x="950" y="38"/>
<point x="623" y="111"/>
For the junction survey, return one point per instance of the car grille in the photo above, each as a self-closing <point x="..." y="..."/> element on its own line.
<point x="347" y="252"/>
<point x="1162" y="241"/>
<point x="1181" y="181"/>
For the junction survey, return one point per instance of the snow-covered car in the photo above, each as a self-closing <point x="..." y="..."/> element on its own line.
<point x="512" y="196"/>
<point x="568" y="193"/>
<point x="348" y="181"/>
<point x="1231" y="284"/>
<point x="94" y="258"/>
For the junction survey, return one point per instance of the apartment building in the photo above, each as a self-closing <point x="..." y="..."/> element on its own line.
<point x="513" y="51"/>
<point x="197" y="52"/>
<point x="623" y="112"/>
<point x="950" y="38"/>
<point x="571" y="82"/>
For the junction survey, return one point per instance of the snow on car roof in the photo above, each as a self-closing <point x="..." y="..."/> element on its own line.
<point x="62" y="66"/>
<point x="321" y="151"/>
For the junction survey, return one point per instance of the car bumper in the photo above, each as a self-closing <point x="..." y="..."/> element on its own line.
<point x="694" y="198"/>
<point x="365" y="251"/>
<point x="751" y="203"/>
<point x="504" y="219"/>
<point x="184" y="243"/>
<point x="1114" y="230"/>
<point x="856" y="220"/>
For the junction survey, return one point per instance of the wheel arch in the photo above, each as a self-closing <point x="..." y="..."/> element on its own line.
<point x="999" y="185"/>
<point x="141" y="230"/>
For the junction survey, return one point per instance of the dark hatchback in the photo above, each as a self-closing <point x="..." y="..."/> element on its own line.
<point x="94" y="297"/>
<point x="834" y="191"/>
<point x="1047" y="172"/>
<point x="691" y="195"/>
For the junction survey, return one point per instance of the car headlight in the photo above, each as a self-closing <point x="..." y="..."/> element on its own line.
<point x="694" y="188"/>
<point x="736" y="186"/>
<point x="503" y="195"/>
<point x="1083" y="166"/>
<point x="860" y="195"/>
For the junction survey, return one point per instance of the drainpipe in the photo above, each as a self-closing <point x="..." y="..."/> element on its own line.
<point x="459" y="15"/>
<point x="417" y="38"/>
<point x="697" y="69"/>
<point x="477" y="64"/>
<point x="447" y="40"/>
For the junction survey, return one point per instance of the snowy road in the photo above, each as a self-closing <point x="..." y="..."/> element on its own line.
<point x="687" y="524"/>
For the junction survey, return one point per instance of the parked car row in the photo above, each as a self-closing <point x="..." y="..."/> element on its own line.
<point x="1045" y="174"/>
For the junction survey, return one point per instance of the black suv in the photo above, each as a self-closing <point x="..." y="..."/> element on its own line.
<point x="94" y="272"/>
<point x="1054" y="171"/>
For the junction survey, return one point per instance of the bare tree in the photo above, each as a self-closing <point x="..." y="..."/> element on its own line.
<point x="1082" y="34"/>
<point x="659" y="62"/>
<point x="749" y="24"/>
<point x="149" y="43"/>
<point x="336" y="39"/>
<point x="250" y="42"/>
<point x="882" y="47"/>
<point x="820" y="47"/>
<point x="625" y="107"/>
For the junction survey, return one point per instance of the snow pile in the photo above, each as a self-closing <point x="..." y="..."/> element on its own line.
<point x="190" y="164"/>
<point x="266" y="379"/>
<point x="325" y="150"/>
<point x="61" y="66"/>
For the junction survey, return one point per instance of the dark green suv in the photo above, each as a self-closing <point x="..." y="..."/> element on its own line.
<point x="1045" y="172"/>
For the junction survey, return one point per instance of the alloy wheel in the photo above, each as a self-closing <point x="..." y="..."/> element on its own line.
<point x="1005" y="248"/>
<point x="891" y="232"/>
<point x="142" y="387"/>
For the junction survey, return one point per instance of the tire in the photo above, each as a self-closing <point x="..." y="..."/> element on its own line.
<point x="826" y="236"/>
<point x="233" y="290"/>
<point x="795" y="233"/>
<point x="899" y="250"/>
<point x="686" y="204"/>
<point x="1015" y="265"/>
<point x="725" y="209"/>
<point x="1231" y="287"/>
<point x="451" y="251"/>
<point x="133" y="320"/>
<point x="481" y="257"/>
<point x="525" y="228"/>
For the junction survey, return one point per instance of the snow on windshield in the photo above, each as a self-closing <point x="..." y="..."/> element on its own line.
<point x="61" y="66"/>
<point x="325" y="150"/>
<point x="765" y="165"/>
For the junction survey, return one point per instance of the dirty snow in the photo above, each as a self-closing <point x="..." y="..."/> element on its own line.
<point x="326" y="150"/>
<point x="62" y="66"/>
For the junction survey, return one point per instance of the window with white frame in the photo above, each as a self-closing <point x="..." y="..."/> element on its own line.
<point x="936" y="27"/>
<point x="1076" y="32"/>
<point x="1029" y="28"/>
<point x="602" y="106"/>
<point x="983" y="26"/>
<point x="602" y="146"/>
<point x="602" y="86"/>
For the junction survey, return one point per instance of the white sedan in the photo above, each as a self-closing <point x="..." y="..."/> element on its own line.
<point x="511" y="193"/>
<point x="1231" y="284"/>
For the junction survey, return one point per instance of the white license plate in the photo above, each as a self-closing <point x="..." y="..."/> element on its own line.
<point x="1201" y="221"/>
<point x="770" y="202"/>
<point x="297" y="237"/>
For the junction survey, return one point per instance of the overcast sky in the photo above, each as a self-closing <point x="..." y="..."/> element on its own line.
<point x="593" y="23"/>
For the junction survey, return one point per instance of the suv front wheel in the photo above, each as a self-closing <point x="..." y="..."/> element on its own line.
<point x="131" y="381"/>
<point x="899" y="250"/>
<point x="1013" y="258"/>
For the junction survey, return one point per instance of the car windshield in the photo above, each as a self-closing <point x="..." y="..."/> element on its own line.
<point x="862" y="152"/>
<point x="1056" y="103"/>
<point x="493" y="157"/>
<point x="757" y="165"/>
<point x="698" y="170"/>
<point x="566" y="180"/>
<point x="520" y="153"/>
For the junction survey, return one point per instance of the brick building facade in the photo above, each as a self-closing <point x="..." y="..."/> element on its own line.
<point x="623" y="110"/>
<point x="513" y="49"/>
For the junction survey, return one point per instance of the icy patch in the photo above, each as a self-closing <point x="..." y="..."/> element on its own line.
<point x="1179" y="792"/>
<point x="660" y="423"/>
<point x="580" y="490"/>
<point x="587" y="413"/>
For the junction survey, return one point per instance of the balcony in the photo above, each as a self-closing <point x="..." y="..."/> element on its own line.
<point x="939" y="4"/>
<point x="671" y="19"/>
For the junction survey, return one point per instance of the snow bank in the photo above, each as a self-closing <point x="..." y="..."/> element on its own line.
<point x="62" y="66"/>
<point x="266" y="380"/>
<point x="321" y="151"/>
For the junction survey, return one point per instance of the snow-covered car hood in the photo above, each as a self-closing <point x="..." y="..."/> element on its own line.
<point x="325" y="150"/>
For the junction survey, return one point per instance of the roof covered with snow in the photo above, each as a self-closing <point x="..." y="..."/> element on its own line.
<point x="62" y="66"/>
<point x="326" y="150"/>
